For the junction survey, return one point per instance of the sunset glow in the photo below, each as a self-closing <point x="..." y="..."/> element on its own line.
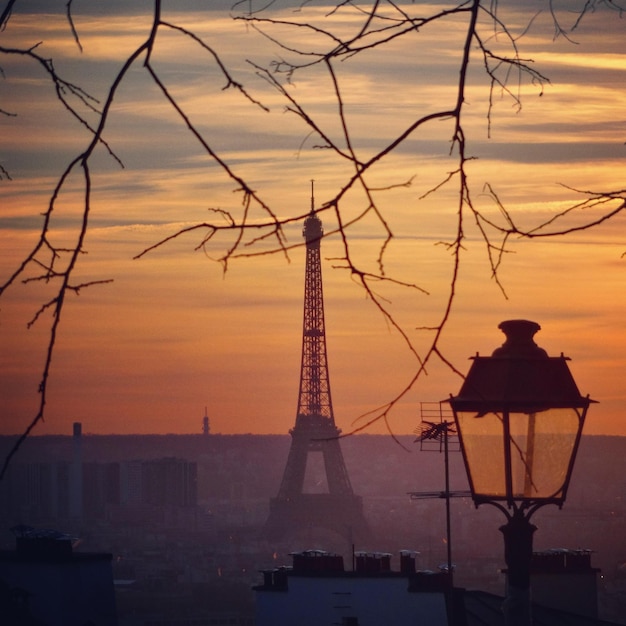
<point x="173" y="334"/>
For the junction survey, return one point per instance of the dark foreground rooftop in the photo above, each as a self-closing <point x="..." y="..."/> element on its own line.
<point x="485" y="609"/>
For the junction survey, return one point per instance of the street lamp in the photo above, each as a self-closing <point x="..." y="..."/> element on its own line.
<point x="519" y="418"/>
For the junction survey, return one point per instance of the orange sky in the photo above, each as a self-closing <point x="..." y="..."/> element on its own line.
<point x="172" y="335"/>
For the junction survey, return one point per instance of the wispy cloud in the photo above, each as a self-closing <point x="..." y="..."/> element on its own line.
<point x="172" y="334"/>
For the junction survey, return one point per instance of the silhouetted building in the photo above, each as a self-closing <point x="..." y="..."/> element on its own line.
<point x="59" y="587"/>
<point x="317" y="590"/>
<point x="35" y="491"/>
<point x="564" y="579"/>
<point x="101" y="488"/>
<point x="40" y="492"/>
<point x="76" y="473"/>
<point x="131" y="483"/>
<point x="169" y="482"/>
<point x="335" y="507"/>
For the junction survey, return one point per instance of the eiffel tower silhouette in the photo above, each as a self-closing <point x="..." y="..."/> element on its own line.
<point x="338" y="509"/>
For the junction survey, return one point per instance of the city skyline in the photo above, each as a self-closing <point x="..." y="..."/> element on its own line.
<point x="172" y="334"/>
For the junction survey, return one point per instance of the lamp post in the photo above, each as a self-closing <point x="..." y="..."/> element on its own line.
<point x="519" y="417"/>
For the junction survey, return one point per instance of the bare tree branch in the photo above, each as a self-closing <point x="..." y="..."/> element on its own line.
<point x="488" y="42"/>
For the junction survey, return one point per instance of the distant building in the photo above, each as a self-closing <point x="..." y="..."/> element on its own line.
<point x="169" y="482"/>
<point x="43" y="492"/>
<point x="32" y="491"/>
<point x="76" y="474"/>
<point x="130" y="483"/>
<point x="100" y="488"/>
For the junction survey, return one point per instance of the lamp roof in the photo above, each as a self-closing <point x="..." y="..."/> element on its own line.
<point x="519" y="377"/>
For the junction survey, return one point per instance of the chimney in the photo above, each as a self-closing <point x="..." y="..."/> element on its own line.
<point x="407" y="561"/>
<point x="373" y="562"/>
<point x="42" y="545"/>
<point x="316" y="562"/>
<point x="565" y="580"/>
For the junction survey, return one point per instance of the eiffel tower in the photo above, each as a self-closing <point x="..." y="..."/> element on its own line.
<point x="338" y="509"/>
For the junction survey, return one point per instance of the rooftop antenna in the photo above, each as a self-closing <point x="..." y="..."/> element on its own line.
<point x="439" y="432"/>
<point x="312" y="196"/>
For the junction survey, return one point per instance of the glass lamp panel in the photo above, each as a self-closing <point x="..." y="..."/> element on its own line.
<point x="483" y="447"/>
<point x="541" y="448"/>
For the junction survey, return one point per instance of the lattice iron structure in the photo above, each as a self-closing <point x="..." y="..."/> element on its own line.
<point x="315" y="430"/>
<point x="314" y="401"/>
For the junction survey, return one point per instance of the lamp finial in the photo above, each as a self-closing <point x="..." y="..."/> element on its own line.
<point x="519" y="340"/>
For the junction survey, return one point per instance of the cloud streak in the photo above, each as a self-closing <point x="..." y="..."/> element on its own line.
<point x="172" y="334"/>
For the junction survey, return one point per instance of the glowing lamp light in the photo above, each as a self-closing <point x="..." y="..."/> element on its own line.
<point x="519" y="416"/>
